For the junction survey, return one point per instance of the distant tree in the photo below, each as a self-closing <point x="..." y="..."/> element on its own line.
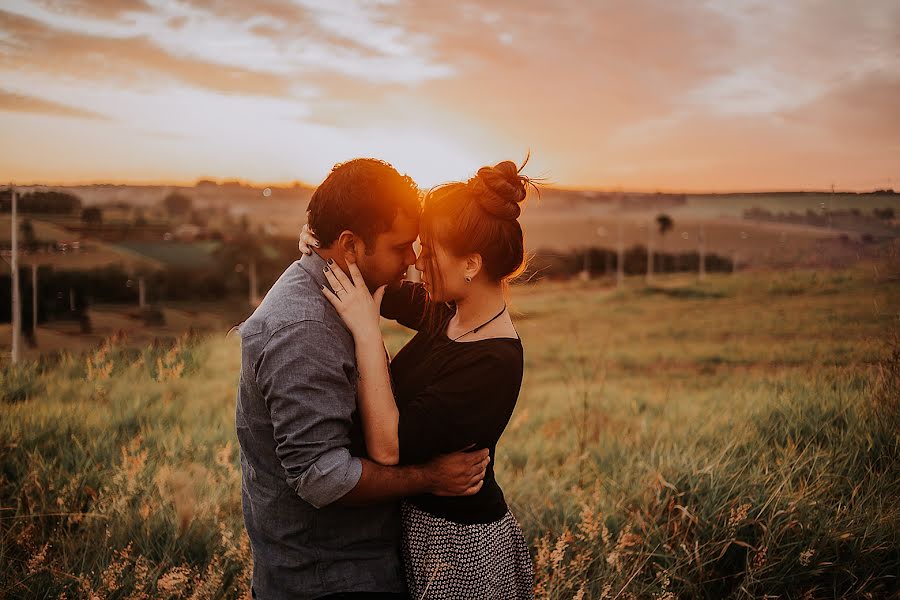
<point x="92" y="215"/>
<point x="28" y="236"/>
<point x="51" y="202"/>
<point x="41" y="202"/>
<point x="664" y="223"/>
<point x="884" y="213"/>
<point x="177" y="204"/>
<point x="199" y="218"/>
<point x="139" y="219"/>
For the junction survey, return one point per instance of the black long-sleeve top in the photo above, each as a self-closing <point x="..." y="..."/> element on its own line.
<point x="451" y="395"/>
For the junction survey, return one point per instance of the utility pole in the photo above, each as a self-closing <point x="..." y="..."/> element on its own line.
<point x="649" y="251"/>
<point x="254" y="300"/>
<point x="142" y="293"/>
<point x="701" y="240"/>
<point x="14" y="265"/>
<point x="34" y="297"/>
<point x="620" y="263"/>
<point x="830" y="205"/>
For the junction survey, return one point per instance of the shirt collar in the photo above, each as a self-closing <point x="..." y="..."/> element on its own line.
<point x="314" y="265"/>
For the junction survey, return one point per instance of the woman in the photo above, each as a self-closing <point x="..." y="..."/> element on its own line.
<point x="455" y="384"/>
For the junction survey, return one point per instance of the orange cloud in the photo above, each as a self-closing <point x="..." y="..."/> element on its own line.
<point x="103" y="9"/>
<point x="127" y="61"/>
<point x="10" y="101"/>
<point x="864" y="110"/>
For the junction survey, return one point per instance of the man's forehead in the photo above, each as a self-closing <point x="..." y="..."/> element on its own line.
<point x="404" y="230"/>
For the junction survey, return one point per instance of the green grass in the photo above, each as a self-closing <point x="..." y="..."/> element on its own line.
<point x="731" y="439"/>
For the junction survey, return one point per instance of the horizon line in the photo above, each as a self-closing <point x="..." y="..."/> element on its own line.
<point x="567" y="188"/>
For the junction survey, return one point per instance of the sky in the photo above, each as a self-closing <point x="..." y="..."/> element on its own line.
<point x="608" y="94"/>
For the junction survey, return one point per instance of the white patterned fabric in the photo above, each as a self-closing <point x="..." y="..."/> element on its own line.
<point x="454" y="561"/>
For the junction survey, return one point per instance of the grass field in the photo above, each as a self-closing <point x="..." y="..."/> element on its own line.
<point x="731" y="439"/>
<point x="558" y="221"/>
<point x="92" y="254"/>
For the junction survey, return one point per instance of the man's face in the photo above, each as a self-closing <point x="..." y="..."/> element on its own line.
<point x="392" y="254"/>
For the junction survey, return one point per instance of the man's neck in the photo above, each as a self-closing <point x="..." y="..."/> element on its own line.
<point x="334" y="254"/>
<point x="339" y="261"/>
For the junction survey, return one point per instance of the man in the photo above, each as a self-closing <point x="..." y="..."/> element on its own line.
<point x="322" y="519"/>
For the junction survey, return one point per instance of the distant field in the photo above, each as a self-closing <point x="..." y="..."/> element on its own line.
<point x="735" y="204"/>
<point x="731" y="439"/>
<point x="111" y="320"/>
<point x="575" y="221"/>
<point x="565" y="221"/>
<point x="91" y="254"/>
<point x="753" y="243"/>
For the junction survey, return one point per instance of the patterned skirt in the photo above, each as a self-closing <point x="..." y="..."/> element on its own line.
<point x="452" y="561"/>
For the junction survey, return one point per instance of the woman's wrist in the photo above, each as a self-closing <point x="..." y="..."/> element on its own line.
<point x="368" y="336"/>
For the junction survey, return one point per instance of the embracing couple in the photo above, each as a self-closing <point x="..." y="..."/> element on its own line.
<point x="370" y="477"/>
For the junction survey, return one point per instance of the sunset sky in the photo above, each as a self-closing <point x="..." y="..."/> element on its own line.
<point x="651" y="94"/>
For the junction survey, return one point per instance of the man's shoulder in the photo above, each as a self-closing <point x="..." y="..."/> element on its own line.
<point x="294" y="299"/>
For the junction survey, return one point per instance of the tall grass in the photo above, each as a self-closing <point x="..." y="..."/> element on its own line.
<point x="119" y="479"/>
<point x="723" y="440"/>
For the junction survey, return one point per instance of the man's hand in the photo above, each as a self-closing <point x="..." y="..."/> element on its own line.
<point x="457" y="474"/>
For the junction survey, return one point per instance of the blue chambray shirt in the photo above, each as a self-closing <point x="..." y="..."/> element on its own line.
<point x="299" y="433"/>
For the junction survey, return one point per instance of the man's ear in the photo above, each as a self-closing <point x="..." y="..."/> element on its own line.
<point x="348" y="244"/>
<point x="473" y="265"/>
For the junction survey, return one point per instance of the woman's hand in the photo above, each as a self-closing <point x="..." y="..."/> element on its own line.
<point x="359" y="309"/>
<point x="308" y="240"/>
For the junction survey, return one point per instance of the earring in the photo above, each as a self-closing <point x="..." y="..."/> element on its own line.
<point x="468" y="279"/>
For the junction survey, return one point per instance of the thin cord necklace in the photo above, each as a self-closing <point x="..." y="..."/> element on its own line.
<point x="475" y="330"/>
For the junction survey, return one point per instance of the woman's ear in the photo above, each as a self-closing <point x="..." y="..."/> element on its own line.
<point x="472" y="266"/>
<point x="348" y="244"/>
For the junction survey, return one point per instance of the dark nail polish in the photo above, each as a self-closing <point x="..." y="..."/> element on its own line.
<point x="330" y="261"/>
<point x="325" y="268"/>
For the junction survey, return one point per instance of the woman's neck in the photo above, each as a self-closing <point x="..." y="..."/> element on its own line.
<point x="479" y="306"/>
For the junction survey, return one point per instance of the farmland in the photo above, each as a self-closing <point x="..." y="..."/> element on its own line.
<point x="731" y="438"/>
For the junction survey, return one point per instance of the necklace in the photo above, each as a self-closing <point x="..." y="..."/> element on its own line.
<point x="475" y="330"/>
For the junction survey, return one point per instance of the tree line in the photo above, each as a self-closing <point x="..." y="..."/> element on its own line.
<point x="595" y="261"/>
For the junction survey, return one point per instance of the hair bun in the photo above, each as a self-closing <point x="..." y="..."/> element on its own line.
<point x="500" y="189"/>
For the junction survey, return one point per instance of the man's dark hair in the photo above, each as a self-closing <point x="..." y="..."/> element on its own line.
<point x="362" y="195"/>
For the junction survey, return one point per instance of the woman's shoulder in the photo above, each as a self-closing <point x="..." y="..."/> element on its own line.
<point x="495" y="357"/>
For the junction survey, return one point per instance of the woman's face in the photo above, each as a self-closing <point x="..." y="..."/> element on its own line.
<point x="442" y="273"/>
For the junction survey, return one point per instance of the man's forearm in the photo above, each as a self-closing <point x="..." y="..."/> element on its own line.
<point x="380" y="484"/>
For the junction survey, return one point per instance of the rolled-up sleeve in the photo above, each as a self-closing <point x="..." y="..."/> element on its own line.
<point x="305" y="377"/>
